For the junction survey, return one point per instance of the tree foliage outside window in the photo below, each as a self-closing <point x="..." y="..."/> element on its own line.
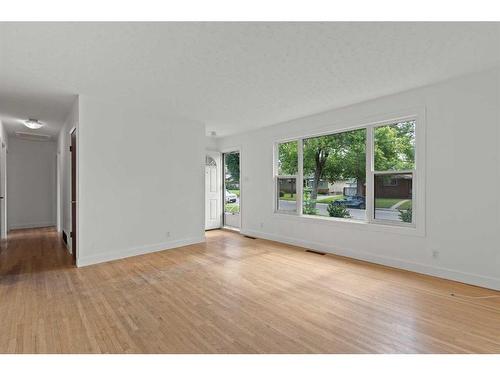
<point x="395" y="147"/>
<point x="232" y="161"/>
<point x="288" y="159"/>
<point x="335" y="157"/>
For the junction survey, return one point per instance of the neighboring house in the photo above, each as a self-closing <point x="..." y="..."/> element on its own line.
<point x="396" y="186"/>
<point x="338" y="187"/>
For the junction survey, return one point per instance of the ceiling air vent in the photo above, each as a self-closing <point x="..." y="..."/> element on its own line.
<point x="33" y="137"/>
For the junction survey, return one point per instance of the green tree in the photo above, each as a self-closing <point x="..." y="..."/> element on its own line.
<point x="232" y="161"/>
<point x="288" y="158"/>
<point x="395" y="146"/>
<point x="335" y="157"/>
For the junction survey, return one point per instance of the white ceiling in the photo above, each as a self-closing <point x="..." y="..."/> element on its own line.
<point x="231" y="76"/>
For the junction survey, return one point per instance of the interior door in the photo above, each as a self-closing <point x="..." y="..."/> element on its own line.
<point x="73" y="195"/>
<point x="213" y="192"/>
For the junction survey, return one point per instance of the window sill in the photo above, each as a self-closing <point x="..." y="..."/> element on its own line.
<point x="390" y="228"/>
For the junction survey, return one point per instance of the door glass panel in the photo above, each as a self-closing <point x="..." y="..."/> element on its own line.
<point x="231" y="189"/>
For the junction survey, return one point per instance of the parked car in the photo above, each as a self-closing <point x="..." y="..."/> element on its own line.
<point x="231" y="197"/>
<point x="354" y="201"/>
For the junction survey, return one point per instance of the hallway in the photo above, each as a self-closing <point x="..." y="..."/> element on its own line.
<point x="231" y="294"/>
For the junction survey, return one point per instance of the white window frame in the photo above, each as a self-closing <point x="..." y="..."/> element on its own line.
<point x="417" y="227"/>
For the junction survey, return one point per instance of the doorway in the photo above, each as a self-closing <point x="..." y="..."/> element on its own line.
<point x="73" y="195"/>
<point x="232" y="190"/>
<point x="213" y="191"/>
<point x="3" y="191"/>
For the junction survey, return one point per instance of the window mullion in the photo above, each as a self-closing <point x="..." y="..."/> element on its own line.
<point x="300" y="176"/>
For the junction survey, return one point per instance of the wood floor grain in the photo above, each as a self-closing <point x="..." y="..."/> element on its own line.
<point x="231" y="295"/>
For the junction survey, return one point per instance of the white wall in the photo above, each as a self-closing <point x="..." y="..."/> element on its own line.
<point x="3" y="181"/>
<point x="64" y="159"/>
<point x="211" y="143"/>
<point x="31" y="185"/>
<point x="463" y="144"/>
<point x="141" y="179"/>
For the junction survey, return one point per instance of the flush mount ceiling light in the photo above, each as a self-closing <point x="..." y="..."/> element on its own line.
<point x="33" y="123"/>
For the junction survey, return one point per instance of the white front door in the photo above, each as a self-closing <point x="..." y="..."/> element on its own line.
<point x="213" y="193"/>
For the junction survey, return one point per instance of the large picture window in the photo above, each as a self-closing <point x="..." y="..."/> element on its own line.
<point x="365" y="174"/>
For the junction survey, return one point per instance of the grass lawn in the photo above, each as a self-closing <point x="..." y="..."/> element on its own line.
<point x="405" y="206"/>
<point x="237" y="192"/>
<point x="330" y="199"/>
<point x="389" y="202"/>
<point x="232" y="208"/>
<point x="288" y="197"/>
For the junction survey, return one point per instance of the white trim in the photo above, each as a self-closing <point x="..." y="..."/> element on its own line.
<point x="402" y="171"/>
<point x="41" y="224"/>
<point x="385" y="226"/>
<point x="446" y="273"/>
<point x="138" y="250"/>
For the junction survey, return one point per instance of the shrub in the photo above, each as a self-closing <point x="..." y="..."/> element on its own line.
<point x="310" y="207"/>
<point x="406" y="215"/>
<point x="309" y="204"/>
<point x="338" y="210"/>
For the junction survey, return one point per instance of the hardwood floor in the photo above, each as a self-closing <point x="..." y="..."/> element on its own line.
<point x="231" y="295"/>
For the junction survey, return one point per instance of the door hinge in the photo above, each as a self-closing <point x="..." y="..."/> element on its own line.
<point x="71" y="234"/>
<point x="70" y="148"/>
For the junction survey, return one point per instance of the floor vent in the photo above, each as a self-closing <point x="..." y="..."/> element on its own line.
<point x="315" y="252"/>
<point x="252" y="238"/>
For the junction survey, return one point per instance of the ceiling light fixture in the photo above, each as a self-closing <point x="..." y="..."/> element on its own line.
<point x="33" y="123"/>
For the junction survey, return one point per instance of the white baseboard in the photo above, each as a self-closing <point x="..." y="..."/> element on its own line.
<point x="42" y="224"/>
<point x="445" y="273"/>
<point x="138" y="250"/>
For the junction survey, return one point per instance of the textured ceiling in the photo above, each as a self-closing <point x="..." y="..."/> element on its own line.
<point x="231" y="76"/>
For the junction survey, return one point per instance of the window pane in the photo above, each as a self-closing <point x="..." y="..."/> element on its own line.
<point x="393" y="197"/>
<point x="287" y="194"/>
<point x="232" y="183"/>
<point x="335" y="175"/>
<point x="287" y="158"/>
<point x="395" y="147"/>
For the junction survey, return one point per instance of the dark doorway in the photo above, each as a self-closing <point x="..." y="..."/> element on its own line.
<point x="73" y="195"/>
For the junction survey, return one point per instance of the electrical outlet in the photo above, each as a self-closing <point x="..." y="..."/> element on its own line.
<point x="261" y="225"/>
<point x="435" y="254"/>
<point x="168" y="234"/>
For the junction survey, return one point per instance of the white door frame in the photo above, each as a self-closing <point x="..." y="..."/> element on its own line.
<point x="3" y="189"/>
<point x="217" y="156"/>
